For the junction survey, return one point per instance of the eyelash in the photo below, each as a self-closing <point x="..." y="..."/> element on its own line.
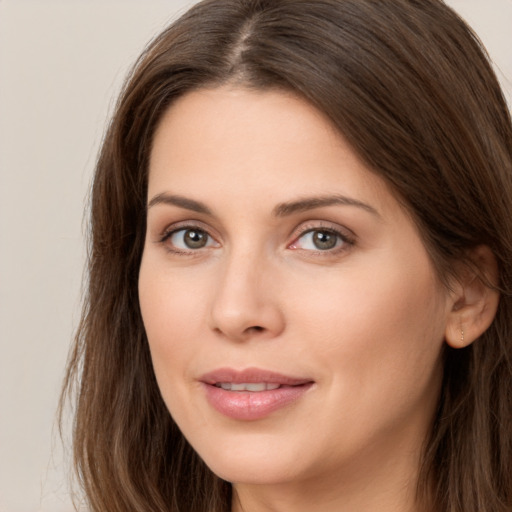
<point x="171" y="231"/>
<point x="346" y="240"/>
<point x="343" y="240"/>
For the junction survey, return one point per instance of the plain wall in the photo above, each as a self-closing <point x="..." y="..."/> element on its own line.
<point x="61" y="65"/>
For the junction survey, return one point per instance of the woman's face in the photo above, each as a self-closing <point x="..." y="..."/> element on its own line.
<point x="294" y="318"/>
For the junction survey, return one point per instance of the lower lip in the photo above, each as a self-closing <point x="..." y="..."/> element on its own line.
<point x="248" y="405"/>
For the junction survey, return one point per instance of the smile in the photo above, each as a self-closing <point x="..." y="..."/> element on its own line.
<point x="254" y="387"/>
<point x="252" y="394"/>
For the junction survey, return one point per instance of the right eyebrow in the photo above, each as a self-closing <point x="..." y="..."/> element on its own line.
<point x="181" y="202"/>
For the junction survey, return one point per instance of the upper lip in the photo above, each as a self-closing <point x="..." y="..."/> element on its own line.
<point x="251" y="375"/>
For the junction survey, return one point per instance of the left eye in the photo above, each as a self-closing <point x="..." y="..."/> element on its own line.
<point x="319" y="240"/>
<point x="190" y="238"/>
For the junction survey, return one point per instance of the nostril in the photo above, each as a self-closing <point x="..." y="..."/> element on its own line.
<point x="256" y="328"/>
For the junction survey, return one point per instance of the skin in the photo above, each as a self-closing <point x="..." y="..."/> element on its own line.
<point x="365" y="320"/>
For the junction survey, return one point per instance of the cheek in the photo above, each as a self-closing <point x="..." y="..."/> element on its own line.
<point x="377" y="338"/>
<point x="383" y="324"/>
<point x="170" y="314"/>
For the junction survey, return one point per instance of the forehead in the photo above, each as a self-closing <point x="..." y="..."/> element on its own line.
<point x="240" y="119"/>
<point x="239" y="145"/>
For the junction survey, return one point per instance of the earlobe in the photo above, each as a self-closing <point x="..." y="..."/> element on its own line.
<point x="475" y="301"/>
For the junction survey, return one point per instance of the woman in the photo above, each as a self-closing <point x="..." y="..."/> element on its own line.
<point x="300" y="274"/>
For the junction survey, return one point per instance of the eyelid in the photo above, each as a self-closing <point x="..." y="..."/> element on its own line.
<point x="347" y="236"/>
<point x="185" y="225"/>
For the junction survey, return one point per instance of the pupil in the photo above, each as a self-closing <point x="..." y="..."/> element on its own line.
<point x="195" y="239"/>
<point x="324" y="240"/>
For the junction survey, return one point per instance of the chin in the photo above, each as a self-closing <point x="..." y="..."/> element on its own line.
<point x="267" y="474"/>
<point x="256" y="465"/>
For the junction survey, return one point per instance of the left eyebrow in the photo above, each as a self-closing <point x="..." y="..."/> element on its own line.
<point x="310" y="203"/>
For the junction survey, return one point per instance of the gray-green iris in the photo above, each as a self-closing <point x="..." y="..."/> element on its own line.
<point x="324" y="240"/>
<point x="195" y="239"/>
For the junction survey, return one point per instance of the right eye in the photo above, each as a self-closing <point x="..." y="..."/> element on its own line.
<point x="189" y="239"/>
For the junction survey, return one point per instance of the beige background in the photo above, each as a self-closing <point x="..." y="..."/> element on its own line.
<point x="61" y="65"/>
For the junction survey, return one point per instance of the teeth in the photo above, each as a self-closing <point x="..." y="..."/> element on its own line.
<point x="252" y="386"/>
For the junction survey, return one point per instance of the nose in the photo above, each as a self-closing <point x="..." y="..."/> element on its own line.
<point x="245" y="303"/>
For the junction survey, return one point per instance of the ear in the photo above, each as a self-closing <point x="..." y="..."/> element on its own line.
<point x="475" y="299"/>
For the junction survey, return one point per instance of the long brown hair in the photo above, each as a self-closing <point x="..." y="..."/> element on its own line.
<point x="410" y="87"/>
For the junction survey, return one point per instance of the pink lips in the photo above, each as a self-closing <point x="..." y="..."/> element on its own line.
<point x="251" y="405"/>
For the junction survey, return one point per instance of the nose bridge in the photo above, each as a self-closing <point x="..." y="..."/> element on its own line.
<point x="244" y="304"/>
